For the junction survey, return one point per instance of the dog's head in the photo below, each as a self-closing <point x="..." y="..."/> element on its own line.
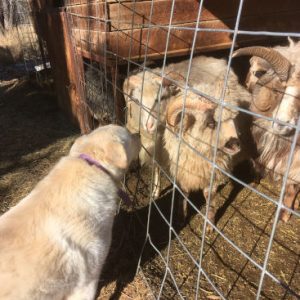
<point x="111" y="145"/>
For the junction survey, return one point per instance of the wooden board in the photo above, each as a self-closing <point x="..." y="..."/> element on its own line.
<point x="128" y="15"/>
<point x="66" y="66"/>
<point x="80" y="2"/>
<point x="132" y="44"/>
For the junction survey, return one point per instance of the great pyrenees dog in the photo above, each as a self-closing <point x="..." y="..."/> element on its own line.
<point x="53" y="244"/>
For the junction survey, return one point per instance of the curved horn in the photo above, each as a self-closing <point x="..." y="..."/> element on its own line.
<point x="278" y="62"/>
<point x="190" y="105"/>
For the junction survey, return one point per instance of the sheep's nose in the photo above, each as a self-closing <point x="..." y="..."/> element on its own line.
<point x="150" y="126"/>
<point x="232" y="146"/>
<point x="282" y="129"/>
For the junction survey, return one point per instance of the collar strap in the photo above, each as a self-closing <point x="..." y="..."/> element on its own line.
<point x="93" y="162"/>
<point x="122" y="194"/>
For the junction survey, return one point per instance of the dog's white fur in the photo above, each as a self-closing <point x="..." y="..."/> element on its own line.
<point x="54" y="243"/>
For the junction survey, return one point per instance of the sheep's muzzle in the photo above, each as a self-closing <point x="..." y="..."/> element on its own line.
<point x="232" y="146"/>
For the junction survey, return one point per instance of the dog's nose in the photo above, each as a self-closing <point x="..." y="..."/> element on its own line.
<point x="136" y="135"/>
<point x="137" y="139"/>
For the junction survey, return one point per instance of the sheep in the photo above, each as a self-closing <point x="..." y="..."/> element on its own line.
<point x="145" y="99"/>
<point x="274" y="79"/>
<point x="199" y="129"/>
<point x="206" y="74"/>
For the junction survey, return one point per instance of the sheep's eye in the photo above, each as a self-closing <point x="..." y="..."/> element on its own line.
<point x="211" y="123"/>
<point x="259" y="74"/>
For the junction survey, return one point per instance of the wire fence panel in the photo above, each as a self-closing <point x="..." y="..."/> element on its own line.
<point x="217" y="175"/>
<point x="20" y="44"/>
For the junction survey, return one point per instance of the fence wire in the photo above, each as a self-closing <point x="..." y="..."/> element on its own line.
<point x="205" y="256"/>
<point x="20" y="41"/>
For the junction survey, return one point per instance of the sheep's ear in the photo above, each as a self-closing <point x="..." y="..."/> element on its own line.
<point x="187" y="122"/>
<point x="114" y="153"/>
<point x="131" y="84"/>
<point x="169" y="90"/>
<point x="170" y="87"/>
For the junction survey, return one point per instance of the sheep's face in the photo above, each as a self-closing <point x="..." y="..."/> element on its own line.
<point x="275" y="85"/>
<point x="258" y="67"/>
<point x="288" y="110"/>
<point x="277" y="99"/>
<point x="200" y="127"/>
<point x="228" y="137"/>
<point x="147" y="101"/>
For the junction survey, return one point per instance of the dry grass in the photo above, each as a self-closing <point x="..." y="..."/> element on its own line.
<point x="15" y="42"/>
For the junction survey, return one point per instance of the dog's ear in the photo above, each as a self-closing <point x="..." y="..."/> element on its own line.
<point x="77" y="144"/>
<point x="115" y="154"/>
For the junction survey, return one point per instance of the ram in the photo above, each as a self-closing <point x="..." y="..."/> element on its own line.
<point x="192" y="164"/>
<point x="274" y="79"/>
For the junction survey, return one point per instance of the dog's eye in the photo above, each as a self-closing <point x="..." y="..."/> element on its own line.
<point x="259" y="74"/>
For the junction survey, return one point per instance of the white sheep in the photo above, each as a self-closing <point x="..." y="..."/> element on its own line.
<point x="145" y="97"/>
<point x="207" y="74"/>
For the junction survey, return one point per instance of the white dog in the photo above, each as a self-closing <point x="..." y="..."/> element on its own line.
<point x="54" y="243"/>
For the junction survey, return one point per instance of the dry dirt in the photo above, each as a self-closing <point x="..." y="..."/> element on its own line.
<point x="35" y="134"/>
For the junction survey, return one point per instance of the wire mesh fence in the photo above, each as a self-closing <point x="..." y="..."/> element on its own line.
<point x="19" y="40"/>
<point x="134" y="49"/>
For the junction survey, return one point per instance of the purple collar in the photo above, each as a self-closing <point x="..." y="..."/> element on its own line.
<point x="122" y="194"/>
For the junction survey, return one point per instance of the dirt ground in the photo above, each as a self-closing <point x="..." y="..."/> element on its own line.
<point x="35" y="134"/>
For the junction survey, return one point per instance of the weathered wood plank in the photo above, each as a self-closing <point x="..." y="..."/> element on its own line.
<point x="187" y="11"/>
<point x="180" y="41"/>
<point x="90" y="16"/>
<point x="127" y="15"/>
<point x="66" y="67"/>
<point x="80" y="2"/>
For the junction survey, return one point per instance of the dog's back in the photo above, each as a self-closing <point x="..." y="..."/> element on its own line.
<point x="62" y="229"/>
<point x="53" y="244"/>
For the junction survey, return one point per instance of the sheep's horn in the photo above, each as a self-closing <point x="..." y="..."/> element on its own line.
<point x="176" y="106"/>
<point x="278" y="62"/>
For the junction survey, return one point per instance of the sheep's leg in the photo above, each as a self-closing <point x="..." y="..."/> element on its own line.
<point x="258" y="171"/>
<point x="182" y="209"/>
<point x="156" y="183"/>
<point x="212" y="207"/>
<point x="289" y="201"/>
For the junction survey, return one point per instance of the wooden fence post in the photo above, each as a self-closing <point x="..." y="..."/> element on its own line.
<point x="66" y="64"/>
